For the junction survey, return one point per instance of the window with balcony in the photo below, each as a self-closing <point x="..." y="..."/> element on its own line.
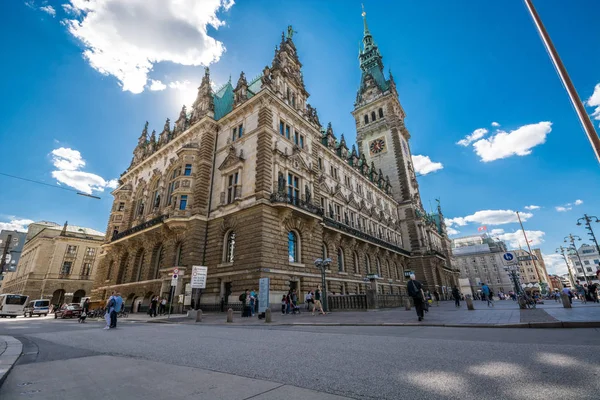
<point x="293" y="187"/>
<point x="338" y="212"/>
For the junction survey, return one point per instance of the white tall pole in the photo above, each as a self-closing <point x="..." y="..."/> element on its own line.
<point x="584" y="118"/>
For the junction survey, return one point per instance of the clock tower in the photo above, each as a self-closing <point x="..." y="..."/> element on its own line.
<point x="384" y="140"/>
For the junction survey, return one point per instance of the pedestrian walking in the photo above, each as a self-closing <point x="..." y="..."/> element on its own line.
<point x="487" y="294"/>
<point x="153" y="305"/>
<point x="283" y="304"/>
<point x="110" y="306"/>
<point x="415" y="290"/>
<point x="580" y="290"/>
<point x="85" y="309"/>
<point x="118" y="303"/>
<point x="245" y="300"/>
<point x="436" y="297"/>
<point x="456" y="296"/>
<point x="308" y="300"/>
<point x="317" y="299"/>
<point x="163" y="306"/>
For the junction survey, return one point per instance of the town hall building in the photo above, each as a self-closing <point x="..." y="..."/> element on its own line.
<point x="250" y="183"/>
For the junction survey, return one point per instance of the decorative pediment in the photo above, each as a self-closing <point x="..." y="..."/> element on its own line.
<point x="297" y="161"/>
<point x="232" y="159"/>
<point x="340" y="196"/>
<point x="325" y="187"/>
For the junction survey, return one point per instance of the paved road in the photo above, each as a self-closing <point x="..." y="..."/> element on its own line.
<point x="354" y="362"/>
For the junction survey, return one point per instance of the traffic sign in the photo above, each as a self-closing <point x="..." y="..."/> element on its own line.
<point x="198" y="280"/>
<point x="175" y="271"/>
<point x="174" y="280"/>
<point x="509" y="258"/>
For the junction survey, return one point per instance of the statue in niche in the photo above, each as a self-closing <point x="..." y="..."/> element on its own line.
<point x="157" y="201"/>
<point x="281" y="183"/>
<point x="307" y="193"/>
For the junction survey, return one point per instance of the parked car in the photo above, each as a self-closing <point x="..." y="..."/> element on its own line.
<point x="37" y="307"/>
<point x="68" y="311"/>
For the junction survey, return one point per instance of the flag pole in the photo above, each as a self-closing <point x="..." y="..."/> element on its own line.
<point x="529" y="247"/>
<point x="584" y="118"/>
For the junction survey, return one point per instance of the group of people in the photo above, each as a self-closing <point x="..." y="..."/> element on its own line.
<point x="157" y="303"/>
<point x="583" y="292"/>
<point x="313" y="300"/>
<point x="249" y="301"/>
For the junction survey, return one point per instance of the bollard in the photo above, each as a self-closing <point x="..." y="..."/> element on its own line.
<point x="198" y="315"/>
<point x="565" y="300"/>
<point x="407" y="304"/>
<point x="268" y="316"/>
<point x="469" y="304"/>
<point x="230" y="315"/>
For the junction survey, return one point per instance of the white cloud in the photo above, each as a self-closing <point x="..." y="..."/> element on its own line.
<point x="157" y="85"/>
<point x="578" y="202"/>
<point x="518" y="142"/>
<point x="555" y="264"/>
<point x="563" y="209"/>
<point x="476" y="135"/>
<point x="49" y="9"/>
<point x="69" y="9"/>
<point x="183" y="85"/>
<point x="68" y="163"/>
<point x="16" y="225"/>
<point x="568" y="206"/>
<point x="489" y="217"/>
<point x="495" y="124"/>
<point x="594" y="101"/>
<point x="516" y="239"/>
<point x="126" y="39"/>
<point x="496" y="232"/>
<point x="423" y="165"/>
<point x="532" y="207"/>
<point x="452" y="231"/>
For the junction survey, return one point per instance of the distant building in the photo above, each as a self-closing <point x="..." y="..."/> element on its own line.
<point x="479" y="258"/>
<point x="565" y="280"/>
<point x="555" y="282"/>
<point x="57" y="263"/>
<point x="11" y="244"/>
<point x="591" y="263"/>
<point x="534" y="275"/>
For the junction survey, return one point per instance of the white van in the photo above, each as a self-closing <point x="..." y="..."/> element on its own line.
<point x="37" y="307"/>
<point x="12" y="305"/>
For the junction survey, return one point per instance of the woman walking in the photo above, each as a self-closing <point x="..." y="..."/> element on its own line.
<point x="317" y="298"/>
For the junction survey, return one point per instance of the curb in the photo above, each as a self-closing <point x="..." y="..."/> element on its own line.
<point x="520" y="325"/>
<point x="10" y="356"/>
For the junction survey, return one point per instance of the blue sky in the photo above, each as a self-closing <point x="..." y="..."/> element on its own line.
<point x="459" y="66"/>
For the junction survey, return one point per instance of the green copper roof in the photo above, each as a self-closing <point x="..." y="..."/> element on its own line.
<point x="371" y="62"/>
<point x="223" y="101"/>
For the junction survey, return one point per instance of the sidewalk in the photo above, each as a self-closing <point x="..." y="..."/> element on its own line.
<point x="110" y="377"/>
<point x="504" y="314"/>
<point x="10" y="350"/>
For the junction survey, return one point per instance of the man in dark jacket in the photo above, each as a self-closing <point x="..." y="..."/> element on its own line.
<point x="415" y="290"/>
<point x="456" y="296"/>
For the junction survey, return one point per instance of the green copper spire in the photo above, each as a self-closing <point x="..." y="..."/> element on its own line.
<point x="364" y="15"/>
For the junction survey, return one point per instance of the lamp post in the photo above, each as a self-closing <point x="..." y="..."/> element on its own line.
<point x="572" y="239"/>
<point x="513" y="273"/>
<point x="322" y="264"/>
<point x="588" y="226"/>
<point x="562" y="250"/>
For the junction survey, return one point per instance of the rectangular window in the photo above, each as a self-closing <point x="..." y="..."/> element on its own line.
<point x="287" y="131"/>
<point x="338" y="212"/>
<point x="335" y="173"/>
<point x="296" y="138"/>
<point x="587" y="262"/>
<point x="588" y="269"/>
<point x="86" y="269"/>
<point x="320" y="163"/>
<point x="71" y="250"/>
<point x="66" y="268"/>
<point x="302" y="141"/>
<point x="121" y="206"/>
<point x="331" y="170"/>
<point x="233" y="134"/>
<point x="281" y="127"/>
<point x="188" y="170"/>
<point x="596" y="261"/>
<point x="352" y="219"/>
<point x="183" y="202"/>
<point x="232" y="181"/>
<point x="240" y="130"/>
<point x="90" y="252"/>
<point x="293" y="187"/>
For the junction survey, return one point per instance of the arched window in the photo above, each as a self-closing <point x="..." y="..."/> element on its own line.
<point x="179" y="254"/>
<point x="388" y="273"/>
<point x="324" y="251"/>
<point x="140" y="266"/>
<point x="356" y="262"/>
<point x="368" y="264"/>
<point x="378" y="264"/>
<point x="372" y="116"/>
<point x="293" y="247"/>
<point x="139" y="203"/>
<point x="229" y="246"/>
<point x="366" y="119"/>
<point x="381" y="113"/>
<point x="155" y="195"/>
<point x="340" y="256"/>
<point x="171" y="186"/>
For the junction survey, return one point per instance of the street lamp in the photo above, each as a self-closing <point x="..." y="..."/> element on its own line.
<point x="513" y="273"/>
<point x="588" y="226"/>
<point x="562" y="250"/>
<point x="322" y="265"/>
<point x="572" y="239"/>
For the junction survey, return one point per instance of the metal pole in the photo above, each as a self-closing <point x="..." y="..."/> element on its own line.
<point x="562" y="251"/>
<point x="582" y="266"/>
<point x="587" y="220"/>
<point x="529" y="247"/>
<point x="170" y="301"/>
<point x="584" y="118"/>
<point x="324" y="286"/>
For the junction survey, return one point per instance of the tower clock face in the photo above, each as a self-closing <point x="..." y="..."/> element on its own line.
<point x="377" y="146"/>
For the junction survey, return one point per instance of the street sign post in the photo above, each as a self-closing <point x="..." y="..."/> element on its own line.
<point x="509" y="258"/>
<point x="199" y="277"/>
<point x="174" y="280"/>
<point x="263" y="294"/>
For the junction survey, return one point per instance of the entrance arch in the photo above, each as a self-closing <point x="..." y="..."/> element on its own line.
<point x="58" y="297"/>
<point x="78" y="295"/>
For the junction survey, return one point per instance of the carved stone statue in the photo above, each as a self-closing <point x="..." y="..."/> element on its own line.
<point x="307" y="193"/>
<point x="281" y="183"/>
<point x="290" y="32"/>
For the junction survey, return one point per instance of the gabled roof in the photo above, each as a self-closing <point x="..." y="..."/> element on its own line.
<point x="224" y="97"/>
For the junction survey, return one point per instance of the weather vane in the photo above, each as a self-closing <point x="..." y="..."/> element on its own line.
<point x="364" y="14"/>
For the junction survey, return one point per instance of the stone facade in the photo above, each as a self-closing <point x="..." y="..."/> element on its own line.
<point x="57" y="263"/>
<point x="250" y="184"/>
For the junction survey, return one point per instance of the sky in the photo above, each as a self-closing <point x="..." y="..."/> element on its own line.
<point x="493" y="130"/>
